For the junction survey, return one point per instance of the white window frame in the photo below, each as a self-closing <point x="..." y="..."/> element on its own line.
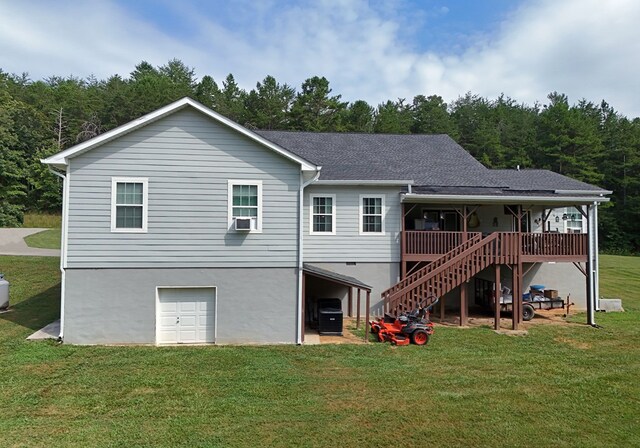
<point x="230" y="185"/>
<point x="361" y="210"/>
<point x="333" y="214"/>
<point x="145" y="203"/>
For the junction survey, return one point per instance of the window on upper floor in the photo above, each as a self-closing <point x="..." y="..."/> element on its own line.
<point x="129" y="204"/>
<point x="245" y="205"/>
<point x="323" y="214"/>
<point x="371" y="214"/>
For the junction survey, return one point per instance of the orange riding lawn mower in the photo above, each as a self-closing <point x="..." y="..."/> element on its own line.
<point x="413" y="326"/>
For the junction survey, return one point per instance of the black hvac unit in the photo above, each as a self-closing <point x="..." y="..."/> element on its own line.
<point x="330" y="316"/>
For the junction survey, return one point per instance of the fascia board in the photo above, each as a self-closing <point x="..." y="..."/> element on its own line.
<point x="61" y="159"/>
<point x="486" y="199"/>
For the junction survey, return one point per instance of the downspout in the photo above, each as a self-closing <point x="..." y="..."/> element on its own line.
<point x="303" y="185"/>
<point x="590" y="284"/>
<point x="63" y="245"/>
<point x="596" y="263"/>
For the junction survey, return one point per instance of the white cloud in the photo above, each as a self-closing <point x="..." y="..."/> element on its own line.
<point x="585" y="48"/>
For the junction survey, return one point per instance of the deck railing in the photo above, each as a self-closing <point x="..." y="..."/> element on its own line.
<point x="419" y="242"/>
<point x="544" y="245"/>
<point x="554" y="244"/>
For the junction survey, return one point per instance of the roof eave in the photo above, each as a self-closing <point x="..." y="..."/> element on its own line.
<point x="368" y="182"/>
<point x="490" y="199"/>
<point x="62" y="158"/>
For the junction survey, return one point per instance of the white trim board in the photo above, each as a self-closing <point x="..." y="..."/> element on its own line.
<point x="333" y="213"/>
<point x="360" y="214"/>
<point x="61" y="159"/>
<point x="145" y="203"/>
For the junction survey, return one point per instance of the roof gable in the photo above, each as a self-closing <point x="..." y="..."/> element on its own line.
<point x="61" y="159"/>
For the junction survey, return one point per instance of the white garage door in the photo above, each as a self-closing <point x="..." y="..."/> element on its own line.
<point x="186" y="315"/>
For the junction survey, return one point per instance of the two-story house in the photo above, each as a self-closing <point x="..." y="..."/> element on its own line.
<point x="185" y="227"/>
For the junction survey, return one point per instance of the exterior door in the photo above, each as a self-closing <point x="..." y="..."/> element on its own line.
<point x="186" y="315"/>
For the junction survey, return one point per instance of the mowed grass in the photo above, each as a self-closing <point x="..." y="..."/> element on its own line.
<point x="47" y="239"/>
<point x="43" y="220"/>
<point x="559" y="386"/>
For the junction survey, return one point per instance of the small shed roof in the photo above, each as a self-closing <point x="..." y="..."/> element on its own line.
<point x="335" y="277"/>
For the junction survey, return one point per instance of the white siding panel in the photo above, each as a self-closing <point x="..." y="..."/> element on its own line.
<point x="188" y="160"/>
<point x="347" y="245"/>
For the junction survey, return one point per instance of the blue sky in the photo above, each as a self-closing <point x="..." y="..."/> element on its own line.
<point x="373" y="50"/>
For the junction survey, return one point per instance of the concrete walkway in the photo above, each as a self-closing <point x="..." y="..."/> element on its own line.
<point x="51" y="331"/>
<point x="12" y="243"/>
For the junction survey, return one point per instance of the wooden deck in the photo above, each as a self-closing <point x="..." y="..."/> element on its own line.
<point x="530" y="247"/>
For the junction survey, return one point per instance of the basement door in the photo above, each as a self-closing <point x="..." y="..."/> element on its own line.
<point x="186" y="315"/>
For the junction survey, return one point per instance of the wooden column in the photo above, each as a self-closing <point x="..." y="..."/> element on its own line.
<point x="358" y="310"/>
<point x="498" y="293"/>
<point x="517" y="297"/>
<point x="304" y="299"/>
<point x="441" y="309"/>
<point x="350" y="302"/>
<point x="366" y="313"/>
<point x="519" y="271"/>
<point x="464" y="305"/>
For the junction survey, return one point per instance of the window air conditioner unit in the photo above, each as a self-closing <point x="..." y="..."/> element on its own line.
<point x="245" y="224"/>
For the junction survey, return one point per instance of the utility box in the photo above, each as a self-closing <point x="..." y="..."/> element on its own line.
<point x="329" y="316"/>
<point x="330" y="321"/>
<point x="4" y="293"/>
<point x="551" y="293"/>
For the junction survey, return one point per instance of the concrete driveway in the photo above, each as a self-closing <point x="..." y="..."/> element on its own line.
<point x="12" y="243"/>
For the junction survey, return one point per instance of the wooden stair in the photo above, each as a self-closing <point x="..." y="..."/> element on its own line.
<point x="452" y="269"/>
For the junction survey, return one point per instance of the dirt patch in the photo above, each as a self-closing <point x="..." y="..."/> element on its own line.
<point x="347" y="335"/>
<point x="542" y="317"/>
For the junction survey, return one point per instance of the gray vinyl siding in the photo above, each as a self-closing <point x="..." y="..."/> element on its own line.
<point x="347" y="245"/>
<point x="188" y="159"/>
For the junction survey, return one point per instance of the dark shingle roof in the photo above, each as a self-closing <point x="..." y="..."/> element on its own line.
<point x="542" y="180"/>
<point x="435" y="163"/>
<point x="340" y="278"/>
<point x="426" y="159"/>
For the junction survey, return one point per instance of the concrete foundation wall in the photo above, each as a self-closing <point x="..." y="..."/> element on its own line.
<point x="380" y="276"/>
<point x="118" y="306"/>
<point x="563" y="277"/>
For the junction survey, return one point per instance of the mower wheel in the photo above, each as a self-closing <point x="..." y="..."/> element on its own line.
<point x="527" y="312"/>
<point x="419" y="337"/>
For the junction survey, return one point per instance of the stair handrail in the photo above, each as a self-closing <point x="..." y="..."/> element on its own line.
<point x="478" y="245"/>
<point x="434" y="264"/>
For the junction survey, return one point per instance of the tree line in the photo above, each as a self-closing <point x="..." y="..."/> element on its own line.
<point x="587" y="141"/>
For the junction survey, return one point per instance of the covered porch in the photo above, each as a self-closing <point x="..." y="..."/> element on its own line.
<point x="524" y="233"/>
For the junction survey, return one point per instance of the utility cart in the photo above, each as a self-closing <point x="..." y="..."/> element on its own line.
<point x="538" y="298"/>
<point x="533" y="300"/>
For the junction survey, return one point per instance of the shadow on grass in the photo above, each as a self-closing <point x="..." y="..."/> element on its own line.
<point x="36" y="311"/>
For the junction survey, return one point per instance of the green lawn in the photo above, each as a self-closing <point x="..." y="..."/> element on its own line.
<point x="559" y="386"/>
<point x="47" y="239"/>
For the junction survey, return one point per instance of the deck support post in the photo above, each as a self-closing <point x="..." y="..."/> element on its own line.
<point x="358" y="310"/>
<point x="441" y="309"/>
<point x="497" y="294"/>
<point x="366" y="313"/>
<point x="516" y="297"/>
<point x="350" y="302"/>
<point x="464" y="305"/>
